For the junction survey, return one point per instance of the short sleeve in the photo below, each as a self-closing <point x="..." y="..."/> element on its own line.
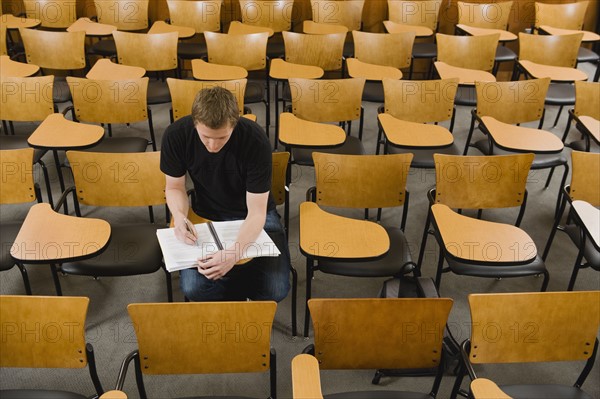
<point x="258" y="177"/>
<point x="172" y="152"/>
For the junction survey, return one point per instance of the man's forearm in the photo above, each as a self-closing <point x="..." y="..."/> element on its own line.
<point x="178" y="202"/>
<point x="249" y="231"/>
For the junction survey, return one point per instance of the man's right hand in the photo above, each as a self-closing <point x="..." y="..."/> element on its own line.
<point x="185" y="231"/>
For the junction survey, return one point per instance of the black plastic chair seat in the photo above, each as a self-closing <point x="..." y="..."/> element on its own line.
<point x="580" y="145"/>
<point x="591" y="254"/>
<point x="348" y="51"/>
<point x="490" y="270"/>
<point x="18" y="142"/>
<point x="587" y="55"/>
<point x="191" y="50"/>
<point x="560" y="94"/>
<point x="424" y="50"/>
<point x="390" y="265"/>
<point x="120" y="144"/>
<point x="39" y="394"/>
<point x="255" y="92"/>
<point x="373" y="92"/>
<point x="133" y="249"/>
<point x="104" y="47"/>
<point x="378" y="395"/>
<point x="541" y="161"/>
<point x="352" y="146"/>
<point x="544" y="391"/>
<point x="275" y="47"/>
<point x="504" y="54"/>
<point x="465" y="95"/>
<point x="60" y="91"/>
<point x="158" y="92"/>
<point x="8" y="233"/>
<point x="423" y="159"/>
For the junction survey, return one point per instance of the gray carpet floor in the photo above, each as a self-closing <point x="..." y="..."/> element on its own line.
<point x="111" y="332"/>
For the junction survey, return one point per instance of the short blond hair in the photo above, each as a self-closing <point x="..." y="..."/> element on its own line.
<point x="214" y="107"/>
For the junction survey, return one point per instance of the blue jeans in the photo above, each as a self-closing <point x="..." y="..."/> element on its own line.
<point x="261" y="279"/>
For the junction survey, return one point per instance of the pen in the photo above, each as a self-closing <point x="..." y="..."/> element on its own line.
<point x="189" y="228"/>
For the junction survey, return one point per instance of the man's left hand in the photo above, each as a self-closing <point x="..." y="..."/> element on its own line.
<point x="217" y="265"/>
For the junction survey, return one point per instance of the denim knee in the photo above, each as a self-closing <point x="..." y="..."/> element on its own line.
<point x="198" y="288"/>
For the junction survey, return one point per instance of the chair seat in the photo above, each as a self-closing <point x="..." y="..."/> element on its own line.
<point x="560" y="94"/>
<point x="423" y="159"/>
<point x="348" y="51"/>
<point x="158" y="92"/>
<point x="255" y="92"/>
<point x="465" y="95"/>
<point x="133" y="249"/>
<point x="541" y="161"/>
<point x="544" y="391"/>
<point x="536" y="266"/>
<point x="580" y="145"/>
<point x="191" y="50"/>
<point x="105" y="48"/>
<point x="8" y="233"/>
<point x="275" y="47"/>
<point x="352" y="146"/>
<point x="373" y="92"/>
<point x="60" y="91"/>
<point x="39" y="394"/>
<point x="390" y="265"/>
<point x="591" y="254"/>
<point x="424" y="50"/>
<point x="120" y="144"/>
<point x="378" y="395"/>
<point x="504" y="54"/>
<point x="587" y="55"/>
<point x="18" y="142"/>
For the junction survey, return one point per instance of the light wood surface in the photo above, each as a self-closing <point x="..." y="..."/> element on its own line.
<point x="585" y="178"/>
<point x="281" y="69"/>
<point x="3" y="44"/>
<point x="13" y="22"/>
<point x="347" y="13"/>
<point x="566" y="16"/>
<point x="298" y="132"/>
<point x="113" y="395"/>
<point x="415" y="12"/>
<point x="324" y="235"/>
<point x="590" y="216"/>
<point x="469" y="52"/>
<point x="359" y="69"/>
<point x="91" y="28"/>
<point x="592" y="125"/>
<point x="558" y="51"/>
<point x="105" y="69"/>
<point x="465" y="76"/>
<point x="200" y="15"/>
<point x="17" y="176"/>
<point x="58" y="133"/>
<point x="239" y="28"/>
<point x="533" y="327"/>
<point x="54" y="50"/>
<point x="481" y="182"/>
<point x="26" y="99"/>
<point x="482" y="388"/>
<point x="378" y="330"/>
<point x="252" y="117"/>
<point x="126" y="15"/>
<point x="389" y="49"/>
<point x="324" y="51"/>
<point x="314" y="28"/>
<point x="522" y="138"/>
<point x="183" y="32"/>
<point x="587" y="35"/>
<point x="482" y="241"/>
<point x="43" y="331"/>
<point x="485" y="15"/>
<point x="555" y="73"/>
<point x="505" y="36"/>
<point x="306" y="382"/>
<point x="54" y="14"/>
<point x="203" y="70"/>
<point x="413" y="134"/>
<point x="280" y="165"/>
<point x="233" y="337"/>
<point x="419" y="31"/>
<point x="276" y="15"/>
<point x="361" y="181"/>
<point x="248" y="51"/>
<point x="141" y="50"/>
<point x="587" y="99"/>
<point x="40" y="241"/>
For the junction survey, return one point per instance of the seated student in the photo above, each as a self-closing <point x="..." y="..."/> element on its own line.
<point x="229" y="161"/>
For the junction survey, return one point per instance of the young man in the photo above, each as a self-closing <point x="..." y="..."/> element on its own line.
<point x="229" y="161"/>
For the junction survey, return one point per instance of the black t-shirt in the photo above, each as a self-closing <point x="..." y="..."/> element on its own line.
<point x="221" y="179"/>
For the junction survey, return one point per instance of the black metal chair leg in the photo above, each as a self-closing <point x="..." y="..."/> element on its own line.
<point x="56" y="280"/>
<point x="309" y="276"/>
<point x="576" y="268"/>
<point x="25" y="278"/>
<point x="294" y="301"/>
<point x="558" y="116"/>
<point x="545" y="282"/>
<point x="169" y="284"/>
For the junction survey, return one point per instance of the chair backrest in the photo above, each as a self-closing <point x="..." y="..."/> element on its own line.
<point x="280" y="165"/>
<point x="554" y="50"/>
<point x="42" y="331"/>
<point x="118" y="179"/>
<point x="485" y="15"/>
<point x="127" y="15"/>
<point x="388" y="49"/>
<point x="564" y="16"/>
<point x="512" y="102"/>
<point x="56" y="14"/>
<point x="183" y="93"/>
<point x="585" y="178"/>
<point x="347" y="13"/>
<point x="109" y="101"/>
<point x="379" y="333"/>
<point x="324" y="51"/>
<point x="533" y="327"/>
<point x="17" y="176"/>
<point x="54" y="50"/>
<point x="3" y="47"/>
<point x="248" y="51"/>
<point x="202" y="15"/>
<point x="471" y="52"/>
<point x="153" y="52"/>
<point x="327" y="100"/>
<point x="26" y="99"/>
<point x="420" y="101"/>
<point x="274" y="14"/>
<point x="418" y="13"/>
<point x="314" y="28"/>
<point x="481" y="182"/>
<point x="587" y="99"/>
<point x="232" y="337"/>
<point x="361" y="181"/>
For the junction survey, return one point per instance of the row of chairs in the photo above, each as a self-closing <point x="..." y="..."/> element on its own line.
<point x="235" y="337"/>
